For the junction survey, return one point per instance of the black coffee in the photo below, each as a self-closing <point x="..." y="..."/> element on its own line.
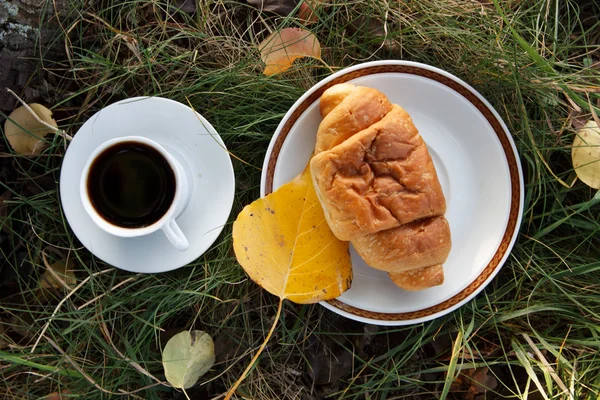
<point x="131" y="185"/>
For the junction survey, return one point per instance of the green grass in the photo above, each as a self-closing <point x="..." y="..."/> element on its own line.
<point x="526" y="57"/>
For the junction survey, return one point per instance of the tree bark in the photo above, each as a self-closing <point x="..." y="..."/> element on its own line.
<point x="27" y="28"/>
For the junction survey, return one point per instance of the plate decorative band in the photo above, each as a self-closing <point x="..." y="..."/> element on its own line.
<point x="511" y="226"/>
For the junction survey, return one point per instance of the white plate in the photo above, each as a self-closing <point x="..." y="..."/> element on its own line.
<point x="478" y="167"/>
<point x="194" y="142"/>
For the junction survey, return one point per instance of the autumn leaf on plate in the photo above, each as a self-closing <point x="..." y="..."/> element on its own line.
<point x="284" y="244"/>
<point x="280" y="49"/>
<point x="586" y="154"/>
<point x="24" y="133"/>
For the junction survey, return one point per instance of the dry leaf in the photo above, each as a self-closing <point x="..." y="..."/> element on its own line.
<point x="307" y="11"/>
<point x="280" y="49"/>
<point x="281" y="7"/>
<point x="285" y="7"/>
<point x="52" y="277"/>
<point x="586" y="154"/>
<point x="284" y="244"/>
<point x="65" y="394"/>
<point x="23" y="324"/>
<point x="187" y="6"/>
<point x="24" y="133"/>
<point x="186" y="357"/>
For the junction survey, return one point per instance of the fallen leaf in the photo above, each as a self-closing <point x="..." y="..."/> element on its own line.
<point x="585" y="154"/>
<point x="327" y="361"/>
<point x="65" y="394"/>
<point x="280" y="49"/>
<point x="23" y="325"/>
<point x="473" y="384"/>
<point x="186" y="357"/>
<point x="284" y="244"/>
<point x="307" y="9"/>
<point x="577" y="118"/>
<point x="376" y="33"/>
<point x="57" y="276"/>
<point x="187" y="6"/>
<point x="483" y="380"/>
<point x="281" y="7"/>
<point x="24" y="133"/>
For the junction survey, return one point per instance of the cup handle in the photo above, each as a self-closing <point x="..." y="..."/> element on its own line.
<point x="175" y="236"/>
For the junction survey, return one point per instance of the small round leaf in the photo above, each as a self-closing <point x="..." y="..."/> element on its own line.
<point x="186" y="357"/>
<point x="280" y="49"/>
<point x="585" y="154"/>
<point x="24" y="133"/>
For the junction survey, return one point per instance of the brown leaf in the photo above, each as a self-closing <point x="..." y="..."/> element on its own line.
<point x="375" y="29"/>
<point x="58" y="395"/>
<point x="187" y="6"/>
<point x="307" y="9"/>
<point x="578" y="118"/>
<point x="23" y="324"/>
<point x="281" y="7"/>
<point x="483" y="380"/>
<point x="280" y="49"/>
<point x="327" y="362"/>
<point x="24" y="133"/>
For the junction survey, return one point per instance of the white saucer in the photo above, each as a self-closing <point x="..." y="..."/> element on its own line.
<point x="194" y="142"/>
<point x="478" y="167"/>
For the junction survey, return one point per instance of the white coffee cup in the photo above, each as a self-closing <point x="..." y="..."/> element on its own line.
<point x="167" y="221"/>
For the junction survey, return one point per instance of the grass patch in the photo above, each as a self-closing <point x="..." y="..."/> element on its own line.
<point x="535" y="61"/>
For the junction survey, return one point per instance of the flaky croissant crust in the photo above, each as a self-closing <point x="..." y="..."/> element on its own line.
<point x="378" y="186"/>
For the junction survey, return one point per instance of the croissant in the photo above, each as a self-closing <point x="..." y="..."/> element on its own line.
<point x="378" y="186"/>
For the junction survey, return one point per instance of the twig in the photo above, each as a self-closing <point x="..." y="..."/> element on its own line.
<point x="59" y="132"/>
<point x="83" y="282"/>
<point x="258" y="353"/>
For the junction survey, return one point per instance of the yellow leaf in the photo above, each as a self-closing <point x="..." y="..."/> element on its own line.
<point x="280" y="49"/>
<point x="284" y="244"/>
<point x="58" y="276"/>
<point x="586" y="154"/>
<point x="24" y="133"/>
